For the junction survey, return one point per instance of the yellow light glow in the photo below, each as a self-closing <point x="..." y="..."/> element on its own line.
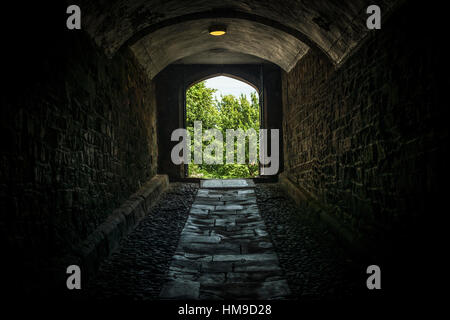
<point x="217" y="33"/>
<point x="217" y="30"/>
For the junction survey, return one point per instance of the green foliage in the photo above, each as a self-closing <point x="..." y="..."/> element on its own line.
<point x="201" y="106"/>
<point x="229" y="113"/>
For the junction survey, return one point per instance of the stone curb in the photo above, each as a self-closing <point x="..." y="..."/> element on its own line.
<point x="106" y="238"/>
<point x="301" y="196"/>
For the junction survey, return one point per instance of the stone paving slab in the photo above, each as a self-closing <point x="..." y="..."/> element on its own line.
<point x="224" y="250"/>
<point x="260" y="290"/>
<point x="227" y="183"/>
<point x="181" y="289"/>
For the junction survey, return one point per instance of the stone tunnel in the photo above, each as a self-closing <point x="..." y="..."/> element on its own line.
<point x="86" y="122"/>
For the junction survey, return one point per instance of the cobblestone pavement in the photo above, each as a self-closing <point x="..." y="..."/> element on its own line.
<point x="229" y="244"/>
<point x="224" y="250"/>
<point x="315" y="265"/>
<point x="136" y="271"/>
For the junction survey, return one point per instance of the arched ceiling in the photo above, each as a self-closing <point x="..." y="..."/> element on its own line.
<point x="185" y="39"/>
<point x="220" y="56"/>
<point x="163" y="31"/>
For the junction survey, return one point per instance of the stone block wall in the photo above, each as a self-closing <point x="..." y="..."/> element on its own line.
<point x="369" y="140"/>
<point x="79" y="137"/>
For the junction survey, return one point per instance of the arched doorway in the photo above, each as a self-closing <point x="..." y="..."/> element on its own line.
<point x="173" y="82"/>
<point x="228" y="106"/>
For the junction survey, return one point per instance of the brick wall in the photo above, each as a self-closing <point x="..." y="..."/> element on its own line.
<point x="78" y="137"/>
<point x="369" y="140"/>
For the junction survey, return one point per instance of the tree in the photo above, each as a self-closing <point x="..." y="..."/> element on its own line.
<point x="229" y="113"/>
<point x="239" y="113"/>
<point x="201" y="106"/>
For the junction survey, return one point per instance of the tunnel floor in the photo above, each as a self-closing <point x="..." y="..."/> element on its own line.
<point x="228" y="240"/>
<point x="225" y="251"/>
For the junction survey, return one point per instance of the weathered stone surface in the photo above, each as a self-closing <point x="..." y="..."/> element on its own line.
<point x="226" y="183"/>
<point x="307" y="256"/>
<point x="203" y="248"/>
<point x="263" y="290"/>
<point x="240" y="277"/>
<point x="256" y="266"/>
<point x="182" y="255"/>
<point x="333" y="28"/>
<point x="315" y="265"/>
<point x="200" y="239"/>
<point x="245" y="257"/>
<point x="186" y="265"/>
<point x="229" y="207"/>
<point x="229" y="253"/>
<point x="252" y="247"/>
<point x="180" y="289"/>
<point x="203" y="206"/>
<point x="356" y="138"/>
<point x="139" y="267"/>
<point x="80" y="139"/>
<point x="217" y="267"/>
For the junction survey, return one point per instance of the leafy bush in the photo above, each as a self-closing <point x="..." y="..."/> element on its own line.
<point x="229" y="113"/>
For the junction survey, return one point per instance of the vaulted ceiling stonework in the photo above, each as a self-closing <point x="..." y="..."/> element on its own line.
<point x="162" y="32"/>
<point x="189" y="38"/>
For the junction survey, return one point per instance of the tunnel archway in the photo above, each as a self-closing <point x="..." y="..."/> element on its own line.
<point x="231" y="88"/>
<point x="245" y="80"/>
<point x="246" y="77"/>
<point x="173" y="81"/>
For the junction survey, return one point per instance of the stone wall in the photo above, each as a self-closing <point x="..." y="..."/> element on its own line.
<point x="78" y="137"/>
<point x="369" y="140"/>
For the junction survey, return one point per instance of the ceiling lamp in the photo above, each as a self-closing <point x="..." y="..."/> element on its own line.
<point x="217" y="30"/>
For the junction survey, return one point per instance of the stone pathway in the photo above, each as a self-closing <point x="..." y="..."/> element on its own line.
<point x="227" y="183"/>
<point x="137" y="270"/>
<point x="225" y="251"/>
<point x="203" y="239"/>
